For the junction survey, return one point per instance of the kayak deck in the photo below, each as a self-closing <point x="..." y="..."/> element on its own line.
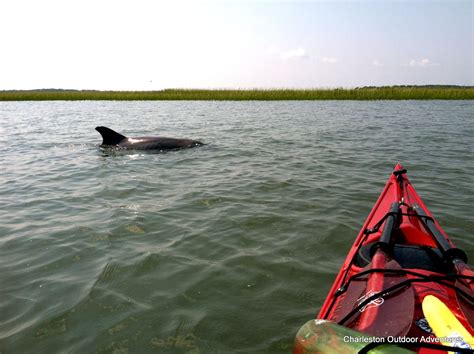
<point x="383" y="296"/>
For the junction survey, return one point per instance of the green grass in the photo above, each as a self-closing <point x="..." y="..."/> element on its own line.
<point x="364" y="93"/>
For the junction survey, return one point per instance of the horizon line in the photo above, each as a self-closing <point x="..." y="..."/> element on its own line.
<point x="243" y="88"/>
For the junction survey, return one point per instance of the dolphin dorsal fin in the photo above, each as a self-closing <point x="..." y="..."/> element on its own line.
<point x="109" y="136"/>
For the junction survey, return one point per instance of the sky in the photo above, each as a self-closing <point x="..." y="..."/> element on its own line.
<point x="153" y="44"/>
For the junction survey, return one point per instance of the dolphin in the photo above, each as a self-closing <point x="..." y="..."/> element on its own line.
<point x="113" y="139"/>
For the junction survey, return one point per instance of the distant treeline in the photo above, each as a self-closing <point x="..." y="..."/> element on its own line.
<point x="428" y="92"/>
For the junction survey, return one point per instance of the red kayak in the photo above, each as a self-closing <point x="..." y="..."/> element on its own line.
<point x="380" y="298"/>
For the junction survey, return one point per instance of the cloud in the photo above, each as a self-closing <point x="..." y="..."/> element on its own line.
<point x="328" y="60"/>
<point x="294" y="54"/>
<point x="422" y="63"/>
<point x="377" y="63"/>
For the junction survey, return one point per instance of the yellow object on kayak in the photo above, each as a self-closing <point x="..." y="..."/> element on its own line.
<point x="445" y="325"/>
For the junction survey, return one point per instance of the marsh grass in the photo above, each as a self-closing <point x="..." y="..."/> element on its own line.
<point x="365" y="93"/>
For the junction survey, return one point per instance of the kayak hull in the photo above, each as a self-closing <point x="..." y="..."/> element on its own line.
<point x="413" y="257"/>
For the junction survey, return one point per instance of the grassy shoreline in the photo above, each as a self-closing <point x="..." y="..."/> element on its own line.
<point x="364" y="93"/>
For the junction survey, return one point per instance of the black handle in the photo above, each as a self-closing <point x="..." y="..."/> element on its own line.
<point x="384" y="243"/>
<point x="449" y="253"/>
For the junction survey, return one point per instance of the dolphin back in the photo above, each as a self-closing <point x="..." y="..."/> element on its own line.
<point x="110" y="137"/>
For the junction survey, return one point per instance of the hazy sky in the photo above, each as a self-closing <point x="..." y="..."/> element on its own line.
<point x="151" y="44"/>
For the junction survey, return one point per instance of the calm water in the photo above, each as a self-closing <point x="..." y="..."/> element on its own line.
<point x="225" y="248"/>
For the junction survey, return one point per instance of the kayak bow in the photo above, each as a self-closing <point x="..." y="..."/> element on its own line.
<point x="400" y="257"/>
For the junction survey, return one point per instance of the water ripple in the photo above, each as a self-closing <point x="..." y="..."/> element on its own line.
<point x="225" y="248"/>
